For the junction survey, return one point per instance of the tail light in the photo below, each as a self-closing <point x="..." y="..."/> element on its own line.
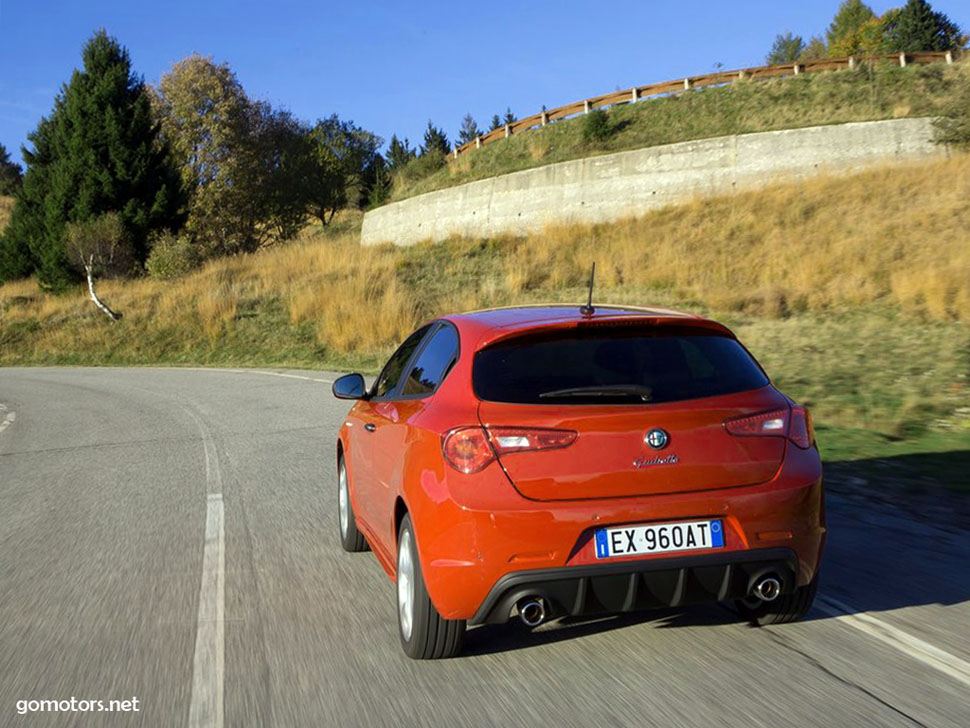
<point x="794" y="423"/>
<point x="467" y="449"/>
<point x="471" y="449"/>
<point x="520" y="439"/>
<point x="801" y="431"/>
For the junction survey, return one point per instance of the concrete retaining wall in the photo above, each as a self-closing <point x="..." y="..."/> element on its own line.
<point x="609" y="187"/>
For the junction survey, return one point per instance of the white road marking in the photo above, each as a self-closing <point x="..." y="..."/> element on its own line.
<point x="906" y="643"/>
<point x="259" y="371"/>
<point x="208" y="665"/>
<point x="8" y="419"/>
<point x="291" y="376"/>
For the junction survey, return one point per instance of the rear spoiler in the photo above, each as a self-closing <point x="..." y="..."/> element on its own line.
<point x="645" y="322"/>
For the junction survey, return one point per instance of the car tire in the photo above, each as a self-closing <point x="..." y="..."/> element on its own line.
<point x="786" y="608"/>
<point x="425" y="634"/>
<point x="350" y="538"/>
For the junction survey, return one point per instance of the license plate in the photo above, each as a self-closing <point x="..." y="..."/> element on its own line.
<point x="659" y="538"/>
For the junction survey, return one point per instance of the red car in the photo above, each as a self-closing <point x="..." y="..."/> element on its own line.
<point x="553" y="461"/>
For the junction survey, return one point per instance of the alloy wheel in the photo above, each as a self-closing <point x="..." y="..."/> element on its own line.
<point x="343" y="498"/>
<point x="405" y="585"/>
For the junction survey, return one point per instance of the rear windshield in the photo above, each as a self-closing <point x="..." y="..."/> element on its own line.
<point x="614" y="366"/>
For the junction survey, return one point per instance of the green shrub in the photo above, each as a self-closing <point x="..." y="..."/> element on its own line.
<point x="420" y="167"/>
<point x="171" y="256"/>
<point x="597" y="127"/>
<point x="953" y="125"/>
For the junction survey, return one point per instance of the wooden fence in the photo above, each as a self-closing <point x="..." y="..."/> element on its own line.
<point x="710" y="79"/>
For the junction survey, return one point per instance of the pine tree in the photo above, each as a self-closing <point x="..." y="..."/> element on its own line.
<point x="787" y="48"/>
<point x="917" y="27"/>
<point x="496" y="123"/>
<point x="509" y="116"/>
<point x="399" y="153"/>
<point x="435" y="141"/>
<point x="10" y="173"/>
<point x="99" y="151"/>
<point x="469" y="130"/>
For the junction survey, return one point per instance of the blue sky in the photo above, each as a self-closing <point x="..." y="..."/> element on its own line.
<point x="392" y="66"/>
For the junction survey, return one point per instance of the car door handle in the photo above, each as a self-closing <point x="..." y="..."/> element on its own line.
<point x="369" y="427"/>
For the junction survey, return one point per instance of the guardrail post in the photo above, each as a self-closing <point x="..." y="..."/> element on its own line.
<point x="478" y="142"/>
<point x="545" y="118"/>
<point x="508" y="131"/>
<point x="634" y="95"/>
<point x="455" y="153"/>
<point x="687" y="84"/>
<point x="587" y="107"/>
<point x="797" y="68"/>
<point x="851" y="63"/>
<point x="741" y="75"/>
<point x="902" y="60"/>
<point x="949" y="57"/>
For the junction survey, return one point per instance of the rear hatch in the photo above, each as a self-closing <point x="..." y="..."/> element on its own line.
<point x="615" y="385"/>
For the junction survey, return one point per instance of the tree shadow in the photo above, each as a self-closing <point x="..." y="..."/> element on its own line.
<point x="898" y="531"/>
<point x="885" y="551"/>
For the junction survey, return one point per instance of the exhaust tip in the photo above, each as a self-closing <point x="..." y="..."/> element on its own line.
<point x="532" y="611"/>
<point x="767" y="589"/>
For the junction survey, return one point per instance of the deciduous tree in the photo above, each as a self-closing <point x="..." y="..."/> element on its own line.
<point x="851" y="15"/>
<point x="207" y="119"/>
<point x="248" y="168"/>
<point x="345" y="156"/>
<point x="815" y="50"/>
<point x="100" y="246"/>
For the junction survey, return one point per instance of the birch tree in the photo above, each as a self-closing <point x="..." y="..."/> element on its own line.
<point x="100" y="247"/>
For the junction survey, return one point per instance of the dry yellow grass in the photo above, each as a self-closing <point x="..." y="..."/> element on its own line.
<point x="897" y="236"/>
<point x="6" y="207"/>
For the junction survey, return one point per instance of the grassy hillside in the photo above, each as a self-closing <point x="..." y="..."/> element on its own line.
<point x="854" y="292"/>
<point x="865" y="94"/>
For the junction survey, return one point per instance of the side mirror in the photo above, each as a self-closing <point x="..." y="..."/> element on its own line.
<point x="349" y="386"/>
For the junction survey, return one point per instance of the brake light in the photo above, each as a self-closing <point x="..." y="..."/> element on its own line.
<point x="467" y="449"/>
<point x="795" y="424"/>
<point x="471" y="449"/>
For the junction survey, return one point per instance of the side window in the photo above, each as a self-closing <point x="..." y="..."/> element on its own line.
<point x="433" y="363"/>
<point x="392" y="371"/>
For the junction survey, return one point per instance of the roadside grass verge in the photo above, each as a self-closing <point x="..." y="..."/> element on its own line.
<point x="868" y="93"/>
<point x="854" y="292"/>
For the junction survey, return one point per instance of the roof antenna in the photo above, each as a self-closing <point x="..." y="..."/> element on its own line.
<point x="588" y="309"/>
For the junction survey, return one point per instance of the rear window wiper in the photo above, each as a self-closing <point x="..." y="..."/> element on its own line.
<point x="602" y="390"/>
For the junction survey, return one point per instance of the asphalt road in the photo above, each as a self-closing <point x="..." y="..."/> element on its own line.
<point x="112" y="479"/>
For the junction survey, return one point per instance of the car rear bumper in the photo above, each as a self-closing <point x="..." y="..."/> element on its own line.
<point x="636" y="585"/>
<point x="485" y="538"/>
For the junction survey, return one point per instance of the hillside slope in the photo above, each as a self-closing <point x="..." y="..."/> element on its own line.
<point x="865" y="94"/>
<point x="853" y="291"/>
